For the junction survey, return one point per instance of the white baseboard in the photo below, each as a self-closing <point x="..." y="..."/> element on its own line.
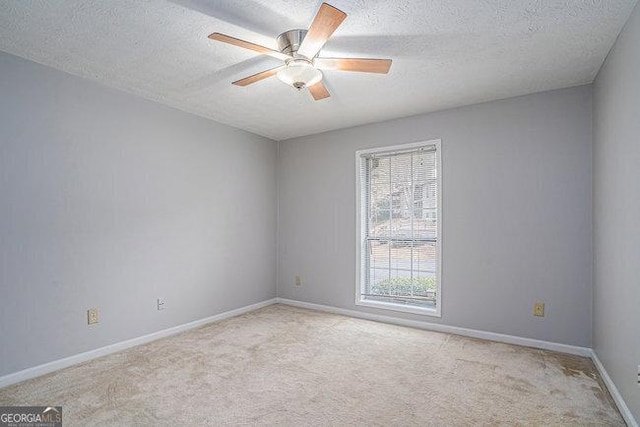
<point x="617" y="397"/>
<point x="46" y="368"/>
<point x="491" y="336"/>
<point x="49" y="367"/>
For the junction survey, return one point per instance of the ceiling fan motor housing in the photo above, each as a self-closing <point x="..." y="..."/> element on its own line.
<point x="289" y="41"/>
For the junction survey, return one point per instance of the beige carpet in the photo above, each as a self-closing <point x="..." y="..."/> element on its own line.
<point x="287" y="366"/>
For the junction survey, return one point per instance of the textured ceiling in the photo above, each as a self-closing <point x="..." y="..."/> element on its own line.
<point x="446" y="53"/>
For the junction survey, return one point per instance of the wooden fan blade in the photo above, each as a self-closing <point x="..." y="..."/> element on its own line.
<point x="257" y="77"/>
<point x="324" y="24"/>
<point x="362" y="65"/>
<point x="319" y="91"/>
<point x="248" y="45"/>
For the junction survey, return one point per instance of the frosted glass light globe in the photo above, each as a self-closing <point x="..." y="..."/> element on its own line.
<point x="299" y="73"/>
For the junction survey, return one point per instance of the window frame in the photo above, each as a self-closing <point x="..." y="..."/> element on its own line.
<point x="359" y="288"/>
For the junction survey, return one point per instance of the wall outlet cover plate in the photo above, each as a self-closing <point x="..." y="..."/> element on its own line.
<point x="92" y="316"/>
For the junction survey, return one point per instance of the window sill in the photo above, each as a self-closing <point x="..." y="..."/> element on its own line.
<point x="425" y="311"/>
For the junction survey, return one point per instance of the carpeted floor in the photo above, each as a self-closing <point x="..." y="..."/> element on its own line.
<point x="288" y="366"/>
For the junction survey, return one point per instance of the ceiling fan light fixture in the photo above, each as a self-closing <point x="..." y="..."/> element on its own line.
<point x="300" y="50"/>
<point x="299" y="73"/>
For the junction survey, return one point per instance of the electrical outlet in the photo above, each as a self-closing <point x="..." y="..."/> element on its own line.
<point x="538" y="309"/>
<point x="638" y="375"/>
<point x="160" y="304"/>
<point x="298" y="281"/>
<point x="92" y="316"/>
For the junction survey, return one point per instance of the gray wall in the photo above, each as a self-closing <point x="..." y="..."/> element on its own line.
<point x="616" y="211"/>
<point x="517" y="213"/>
<point x="109" y="201"/>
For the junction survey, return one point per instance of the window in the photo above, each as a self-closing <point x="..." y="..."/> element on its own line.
<point x="399" y="227"/>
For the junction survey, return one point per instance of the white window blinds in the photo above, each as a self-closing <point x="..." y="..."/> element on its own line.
<point x="399" y="215"/>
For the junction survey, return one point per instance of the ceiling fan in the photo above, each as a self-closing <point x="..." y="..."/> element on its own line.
<point x="299" y="50"/>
